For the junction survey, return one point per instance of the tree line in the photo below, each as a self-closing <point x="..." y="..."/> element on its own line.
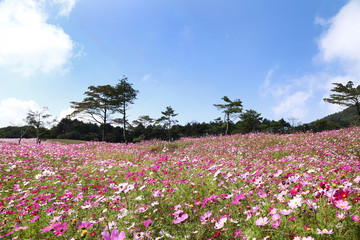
<point x="101" y="103"/>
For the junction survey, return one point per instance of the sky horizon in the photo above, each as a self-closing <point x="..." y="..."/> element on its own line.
<point x="279" y="58"/>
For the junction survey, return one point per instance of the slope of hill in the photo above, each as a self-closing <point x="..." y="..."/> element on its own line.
<point x="346" y="117"/>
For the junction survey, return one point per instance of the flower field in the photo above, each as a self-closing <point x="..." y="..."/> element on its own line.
<point x="262" y="186"/>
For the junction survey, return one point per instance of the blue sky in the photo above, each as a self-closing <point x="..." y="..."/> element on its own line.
<point x="278" y="57"/>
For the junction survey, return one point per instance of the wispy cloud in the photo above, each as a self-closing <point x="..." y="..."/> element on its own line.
<point x="66" y="6"/>
<point x="339" y="54"/>
<point x="146" y="77"/>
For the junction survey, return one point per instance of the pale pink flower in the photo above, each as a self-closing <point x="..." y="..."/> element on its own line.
<point x="295" y="202"/>
<point x="180" y="216"/>
<point x="344" y="205"/>
<point x="273" y="211"/>
<point x="324" y="231"/>
<point x="286" y="212"/>
<point x="341" y="215"/>
<point x="275" y="217"/>
<point x="261" y="221"/>
<point x="205" y="218"/>
<point x="220" y="224"/>
<point x="276" y="224"/>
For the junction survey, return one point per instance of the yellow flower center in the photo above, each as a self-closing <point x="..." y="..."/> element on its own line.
<point x="262" y="223"/>
<point x="325" y="231"/>
<point x="84" y="232"/>
<point x="342" y="205"/>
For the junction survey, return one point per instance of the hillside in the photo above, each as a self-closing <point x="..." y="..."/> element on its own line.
<point x="346" y="117"/>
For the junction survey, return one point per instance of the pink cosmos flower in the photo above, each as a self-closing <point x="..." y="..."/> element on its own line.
<point x="276" y="224"/>
<point x="205" y="218"/>
<point x="180" y="216"/>
<point x="324" y="231"/>
<point x="220" y="224"/>
<point x="49" y="228"/>
<point x="275" y="217"/>
<point x="237" y="198"/>
<point x="341" y="215"/>
<point x="261" y="221"/>
<point x="83" y="225"/>
<point x="273" y="211"/>
<point x="114" y="235"/>
<point x="34" y="219"/>
<point x="147" y="222"/>
<point x="21" y="228"/>
<point x="295" y="202"/>
<point x="344" y="205"/>
<point x="286" y="212"/>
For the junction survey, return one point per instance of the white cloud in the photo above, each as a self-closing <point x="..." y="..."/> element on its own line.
<point x="65" y="112"/>
<point x="339" y="52"/>
<point x="293" y="105"/>
<point x="13" y="111"/>
<point x="146" y="77"/>
<point x="265" y="87"/>
<point x="28" y="44"/>
<point x="341" y="41"/>
<point x="65" y="6"/>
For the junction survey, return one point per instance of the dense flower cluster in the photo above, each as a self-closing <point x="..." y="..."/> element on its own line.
<point x="254" y="186"/>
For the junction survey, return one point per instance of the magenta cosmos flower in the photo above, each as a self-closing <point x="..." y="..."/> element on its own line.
<point x="83" y="225"/>
<point x="114" y="235"/>
<point x="147" y="222"/>
<point x="356" y="218"/>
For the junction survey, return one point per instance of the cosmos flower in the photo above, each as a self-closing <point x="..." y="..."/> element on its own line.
<point x="286" y="212"/>
<point x="114" y="235"/>
<point x="205" y="218"/>
<point x="344" y="205"/>
<point x="356" y="218"/>
<point x="296" y="189"/>
<point x="295" y="202"/>
<point x="180" y="216"/>
<point x="341" y="215"/>
<point x="261" y="221"/>
<point x="147" y="223"/>
<point x="276" y="224"/>
<point x="275" y="217"/>
<point x="324" y="231"/>
<point x="18" y="228"/>
<point x="83" y="225"/>
<point x="220" y="224"/>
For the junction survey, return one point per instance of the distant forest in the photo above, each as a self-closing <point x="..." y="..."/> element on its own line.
<point x="249" y="121"/>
